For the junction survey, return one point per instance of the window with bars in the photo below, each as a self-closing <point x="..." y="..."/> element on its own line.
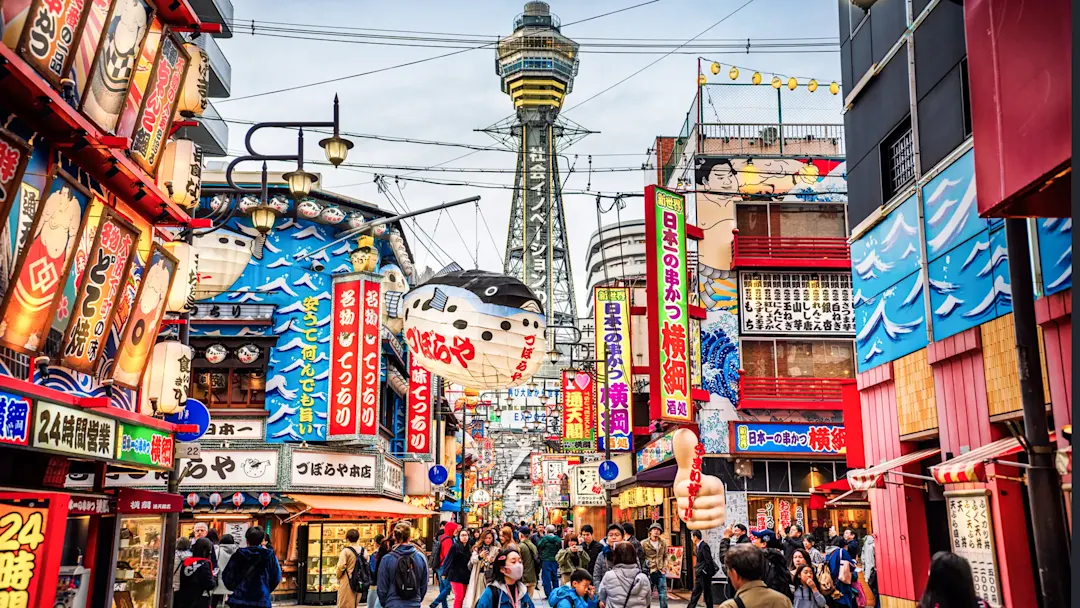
<point x="222" y="387"/>
<point x="897" y="160"/>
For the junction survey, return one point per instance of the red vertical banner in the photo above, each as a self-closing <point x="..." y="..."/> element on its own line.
<point x="369" y="357"/>
<point x="31" y="543"/>
<point x="345" y="340"/>
<point x="418" y="420"/>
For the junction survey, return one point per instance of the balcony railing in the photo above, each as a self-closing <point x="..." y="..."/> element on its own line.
<point x="795" y="393"/>
<point x="772" y="139"/>
<point x="789" y="252"/>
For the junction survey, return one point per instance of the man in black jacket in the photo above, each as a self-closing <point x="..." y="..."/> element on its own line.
<point x="704" y="569"/>
<point x="589" y="544"/>
<point x="793" y="541"/>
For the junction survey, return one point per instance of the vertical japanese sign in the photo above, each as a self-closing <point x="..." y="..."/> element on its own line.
<point x="31" y="543"/>
<point x="612" y="310"/>
<point x="106" y="268"/>
<point x="578" y="425"/>
<point x="115" y="61"/>
<point x="669" y="346"/>
<point x="536" y="194"/>
<point x="14" y="419"/>
<point x="159" y="104"/>
<point x="536" y="469"/>
<point x="369" y="358"/>
<point x="14" y="154"/>
<point x="52" y="27"/>
<point x="309" y="350"/>
<point x="971" y="532"/>
<point x="142" y="326"/>
<point x="345" y="340"/>
<point x="140" y="77"/>
<point x="418" y="421"/>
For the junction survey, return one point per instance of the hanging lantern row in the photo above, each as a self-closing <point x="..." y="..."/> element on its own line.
<point x="238" y="500"/>
<point x="247" y="353"/>
<point x="777" y="81"/>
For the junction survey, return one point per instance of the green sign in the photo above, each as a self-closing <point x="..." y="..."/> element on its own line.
<point x="145" y="446"/>
<point x="667" y="286"/>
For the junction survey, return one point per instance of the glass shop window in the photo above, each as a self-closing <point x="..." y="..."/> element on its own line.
<point x="235" y="388"/>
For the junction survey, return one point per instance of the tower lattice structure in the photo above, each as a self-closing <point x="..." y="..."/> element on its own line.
<point x="536" y="65"/>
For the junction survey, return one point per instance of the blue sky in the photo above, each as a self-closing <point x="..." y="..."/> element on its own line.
<point x="446" y="99"/>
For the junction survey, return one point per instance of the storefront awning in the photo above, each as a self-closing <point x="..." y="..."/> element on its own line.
<point x="840" y="485"/>
<point x="971" y="466"/>
<point x="864" y="479"/>
<point x="366" y="506"/>
<point x="848" y="500"/>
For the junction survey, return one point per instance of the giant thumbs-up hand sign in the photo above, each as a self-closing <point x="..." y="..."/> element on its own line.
<point x="700" y="498"/>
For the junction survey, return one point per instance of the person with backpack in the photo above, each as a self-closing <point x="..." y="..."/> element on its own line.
<point x="841" y="568"/>
<point x="225" y="551"/>
<point x="704" y="569"/>
<point x="403" y="573"/>
<point x="507" y="590"/>
<point x="624" y="585"/>
<point x="576" y="593"/>
<point x="776" y="574"/>
<point x="548" y="547"/>
<point x="253" y="572"/>
<point x="530" y="557"/>
<point x="456" y="566"/>
<point x="183" y="551"/>
<point x="746" y="565"/>
<point x="351" y="566"/>
<point x="196" y="577"/>
<point x="438" y="555"/>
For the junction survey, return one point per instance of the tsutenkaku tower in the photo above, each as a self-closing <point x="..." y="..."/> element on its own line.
<point x="536" y="65"/>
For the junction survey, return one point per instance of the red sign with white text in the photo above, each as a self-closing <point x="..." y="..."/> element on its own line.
<point x="369" y="357"/>
<point x="345" y="342"/>
<point x="31" y="543"/>
<point x="418" y="422"/>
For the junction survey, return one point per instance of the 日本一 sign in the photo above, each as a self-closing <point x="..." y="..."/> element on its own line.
<point x="418" y="418"/>
<point x="767" y="437"/>
<point x="332" y="470"/>
<point x="234" y="428"/>
<point x="667" y="283"/>
<point x="612" y="310"/>
<point x="806" y="302"/>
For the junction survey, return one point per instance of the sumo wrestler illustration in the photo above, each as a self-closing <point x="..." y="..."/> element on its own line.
<point x="142" y="325"/>
<point x="40" y="276"/>
<point x="365" y="258"/>
<point x="116" y="62"/>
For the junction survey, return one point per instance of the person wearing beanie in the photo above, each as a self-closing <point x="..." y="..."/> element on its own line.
<point x="655" y="549"/>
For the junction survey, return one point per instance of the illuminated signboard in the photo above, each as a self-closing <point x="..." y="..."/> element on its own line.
<point x="577" y="412"/>
<point x="145" y="446"/>
<point x="971" y="532"/>
<point x="667" y="284"/>
<point x="369" y="357"/>
<point x="767" y="437"/>
<point x="801" y="302"/>
<point x="14" y="419"/>
<point x="418" y="418"/>
<point x="159" y="104"/>
<point x="32" y="531"/>
<point x="612" y="309"/>
<point x="344" y="417"/>
<point x="51" y="28"/>
<point x="141" y="330"/>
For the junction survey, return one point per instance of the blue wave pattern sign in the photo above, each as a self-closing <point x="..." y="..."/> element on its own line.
<point x="1055" y="253"/>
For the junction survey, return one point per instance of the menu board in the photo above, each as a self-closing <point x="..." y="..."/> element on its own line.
<point x="971" y="534"/>
<point x="806" y="302"/>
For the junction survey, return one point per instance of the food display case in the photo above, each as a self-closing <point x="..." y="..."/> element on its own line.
<point x="136" y="576"/>
<point x="322" y="544"/>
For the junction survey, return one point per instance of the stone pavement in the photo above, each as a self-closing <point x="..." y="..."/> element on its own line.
<point x="676" y="599"/>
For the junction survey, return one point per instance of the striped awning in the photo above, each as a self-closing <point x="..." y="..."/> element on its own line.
<point x="848" y="500"/>
<point x="971" y="465"/>
<point x="864" y="479"/>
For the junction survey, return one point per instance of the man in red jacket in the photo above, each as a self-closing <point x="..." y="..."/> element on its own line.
<point x="441" y="548"/>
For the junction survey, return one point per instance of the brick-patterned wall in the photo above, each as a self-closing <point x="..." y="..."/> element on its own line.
<point x="1000" y="363"/>
<point x="916" y="399"/>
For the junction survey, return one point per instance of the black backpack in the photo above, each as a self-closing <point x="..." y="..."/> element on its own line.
<point x="405" y="579"/>
<point x="361" y="574"/>
<point x="777" y="578"/>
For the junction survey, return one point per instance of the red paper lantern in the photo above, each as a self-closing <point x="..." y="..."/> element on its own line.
<point x="238" y="499"/>
<point x="215" y="500"/>
<point x="264" y="499"/>
<point x="192" y="500"/>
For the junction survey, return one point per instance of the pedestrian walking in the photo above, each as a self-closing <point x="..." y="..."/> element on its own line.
<point x="253" y="572"/>
<point x="225" y="551"/>
<point x="842" y="570"/>
<point x="810" y="545"/>
<point x="548" y="548"/>
<point x="591" y="545"/>
<point x="614" y="536"/>
<point x="506" y="537"/>
<point x="869" y="563"/>
<point x="950" y="584"/>
<point x="655" y="548"/>
<point x="348" y="561"/>
<point x="704" y="570"/>
<point x="745" y="565"/>
<point x="776" y="574"/>
<point x="438" y="555"/>
<point x="571" y="557"/>
<point x="507" y="591"/>
<point x="196" y="577"/>
<point x="530" y="559"/>
<point x="807" y="592"/>
<point x="631" y="537"/>
<point x="456" y="566"/>
<point x="383" y="547"/>
<point x="183" y="551"/>
<point x="793" y="541"/>
<point x="851" y="543"/>
<point x="403" y="573"/>
<point x="577" y="593"/>
<point x="625" y="585"/>
<point x="482" y="562"/>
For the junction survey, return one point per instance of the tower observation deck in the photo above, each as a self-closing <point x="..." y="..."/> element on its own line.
<point x="536" y="67"/>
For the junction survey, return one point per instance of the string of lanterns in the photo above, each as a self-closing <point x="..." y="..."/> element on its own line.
<point x="777" y="81"/>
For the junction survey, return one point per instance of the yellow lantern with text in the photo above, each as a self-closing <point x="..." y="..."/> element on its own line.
<point x="165" y="384"/>
<point x="182" y="294"/>
<point x="180" y="172"/>
<point x="193" y="91"/>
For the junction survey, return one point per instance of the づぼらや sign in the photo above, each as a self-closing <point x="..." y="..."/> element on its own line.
<point x="332" y="470"/>
<point x="345" y="362"/>
<point x="669" y="327"/>
<point x="418" y="421"/>
<point x="788" y="438"/>
<point x="72" y="431"/>
<point x="612" y="310"/>
<point x="146" y="446"/>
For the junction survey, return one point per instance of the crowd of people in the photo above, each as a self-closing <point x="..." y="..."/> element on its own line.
<point x="502" y="566"/>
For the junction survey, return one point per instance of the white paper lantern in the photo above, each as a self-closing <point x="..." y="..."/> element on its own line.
<point x="476" y="328"/>
<point x="192" y="99"/>
<point x="182" y="294"/>
<point x="168" y="377"/>
<point x="180" y="172"/>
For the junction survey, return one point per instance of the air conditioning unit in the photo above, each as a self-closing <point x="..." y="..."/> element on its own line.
<point x="769" y="135"/>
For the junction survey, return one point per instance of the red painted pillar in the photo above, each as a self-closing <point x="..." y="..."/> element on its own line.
<point x="1014" y="558"/>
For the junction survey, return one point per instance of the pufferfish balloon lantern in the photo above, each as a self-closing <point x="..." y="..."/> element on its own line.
<point x="476" y="328"/>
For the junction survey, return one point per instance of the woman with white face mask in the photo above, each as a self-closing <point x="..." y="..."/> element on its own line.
<point x="507" y="591"/>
